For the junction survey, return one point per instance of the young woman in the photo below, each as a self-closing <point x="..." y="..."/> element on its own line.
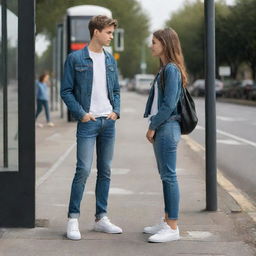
<point x="164" y="129"/>
<point x="43" y="98"/>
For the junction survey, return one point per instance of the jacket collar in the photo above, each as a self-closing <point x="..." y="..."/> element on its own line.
<point x="86" y="53"/>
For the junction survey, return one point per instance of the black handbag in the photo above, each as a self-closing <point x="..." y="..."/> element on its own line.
<point x="186" y="108"/>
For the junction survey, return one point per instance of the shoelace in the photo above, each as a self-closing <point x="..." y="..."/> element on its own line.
<point x="164" y="230"/>
<point x="107" y="220"/>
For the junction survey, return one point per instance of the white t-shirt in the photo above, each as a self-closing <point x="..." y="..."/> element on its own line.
<point x="100" y="104"/>
<point x="154" y="107"/>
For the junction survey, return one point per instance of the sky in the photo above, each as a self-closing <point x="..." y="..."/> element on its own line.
<point x="158" y="11"/>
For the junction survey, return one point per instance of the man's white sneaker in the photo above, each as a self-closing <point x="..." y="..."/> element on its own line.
<point x="73" y="232"/>
<point x="104" y="225"/>
<point x="154" y="229"/>
<point x="166" y="234"/>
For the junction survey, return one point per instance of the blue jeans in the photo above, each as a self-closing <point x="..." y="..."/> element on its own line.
<point x="102" y="132"/>
<point x="40" y="105"/>
<point x="165" y="144"/>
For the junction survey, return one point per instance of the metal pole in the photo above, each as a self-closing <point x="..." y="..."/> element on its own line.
<point x="4" y="83"/>
<point x="210" y="107"/>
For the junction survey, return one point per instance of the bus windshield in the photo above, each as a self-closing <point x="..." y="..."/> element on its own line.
<point x="79" y="29"/>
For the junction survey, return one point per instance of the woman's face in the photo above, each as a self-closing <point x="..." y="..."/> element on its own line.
<point x="156" y="47"/>
<point x="46" y="79"/>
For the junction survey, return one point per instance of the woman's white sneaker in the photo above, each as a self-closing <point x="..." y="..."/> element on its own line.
<point x="154" y="229"/>
<point x="73" y="232"/>
<point x="104" y="225"/>
<point x="166" y="234"/>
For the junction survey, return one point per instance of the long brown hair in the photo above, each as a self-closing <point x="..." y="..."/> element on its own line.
<point x="172" y="50"/>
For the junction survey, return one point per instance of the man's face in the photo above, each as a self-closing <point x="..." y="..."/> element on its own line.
<point x="105" y="36"/>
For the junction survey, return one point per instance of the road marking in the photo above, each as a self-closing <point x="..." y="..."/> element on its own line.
<point x="191" y="143"/>
<point x="198" y="127"/>
<point x="236" y="193"/>
<point x="54" y="137"/>
<point x="150" y="193"/>
<point x="230" y="119"/>
<point x="60" y="205"/>
<point x="197" y="235"/>
<point x="115" y="191"/>
<point x="55" y="166"/>
<point x="116" y="171"/>
<point x="251" y="143"/>
<point x="229" y="142"/>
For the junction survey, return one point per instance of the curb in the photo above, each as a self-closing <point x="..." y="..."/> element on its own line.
<point x="240" y="198"/>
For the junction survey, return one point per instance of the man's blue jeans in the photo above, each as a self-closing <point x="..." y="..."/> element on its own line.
<point x="165" y="147"/>
<point x="102" y="132"/>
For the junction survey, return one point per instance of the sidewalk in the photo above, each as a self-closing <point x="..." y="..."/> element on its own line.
<point x="135" y="200"/>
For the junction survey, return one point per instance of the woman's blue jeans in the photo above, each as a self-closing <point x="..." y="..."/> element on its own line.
<point x="40" y="105"/>
<point x="101" y="132"/>
<point x="165" y="144"/>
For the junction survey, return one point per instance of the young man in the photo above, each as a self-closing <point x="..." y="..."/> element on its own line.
<point x="91" y="92"/>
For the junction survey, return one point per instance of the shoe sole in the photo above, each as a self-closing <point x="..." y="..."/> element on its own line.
<point x="73" y="239"/>
<point x="103" y="231"/>
<point x="150" y="233"/>
<point x="164" y="241"/>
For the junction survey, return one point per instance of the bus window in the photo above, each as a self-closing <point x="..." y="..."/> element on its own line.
<point x="79" y="30"/>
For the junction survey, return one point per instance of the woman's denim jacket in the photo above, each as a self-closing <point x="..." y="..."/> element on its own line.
<point x="76" y="86"/>
<point x="168" y="97"/>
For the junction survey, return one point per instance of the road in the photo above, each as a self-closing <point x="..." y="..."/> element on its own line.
<point x="236" y="142"/>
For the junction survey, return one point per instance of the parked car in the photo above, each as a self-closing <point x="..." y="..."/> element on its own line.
<point x="142" y="82"/>
<point x="252" y="93"/>
<point x="198" y="87"/>
<point x="239" y="89"/>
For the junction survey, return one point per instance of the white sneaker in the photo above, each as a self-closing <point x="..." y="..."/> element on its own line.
<point x="154" y="229"/>
<point x="166" y="234"/>
<point x="104" y="225"/>
<point x="73" y="232"/>
<point x="50" y="124"/>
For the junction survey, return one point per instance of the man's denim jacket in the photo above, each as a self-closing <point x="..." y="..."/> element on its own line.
<point x="168" y="97"/>
<point x="76" y="86"/>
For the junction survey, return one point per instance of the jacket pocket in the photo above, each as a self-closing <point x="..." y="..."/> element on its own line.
<point x="81" y="68"/>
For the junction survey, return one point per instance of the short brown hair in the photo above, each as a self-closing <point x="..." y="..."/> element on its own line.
<point x="100" y="22"/>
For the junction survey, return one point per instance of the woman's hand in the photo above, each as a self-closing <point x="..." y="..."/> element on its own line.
<point x="150" y="135"/>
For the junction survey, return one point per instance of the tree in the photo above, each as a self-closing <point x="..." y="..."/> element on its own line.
<point x="244" y="11"/>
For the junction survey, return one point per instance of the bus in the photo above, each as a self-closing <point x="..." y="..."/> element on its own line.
<point x="76" y="25"/>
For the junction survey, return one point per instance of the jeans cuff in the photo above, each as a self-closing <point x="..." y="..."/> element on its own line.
<point x="73" y="215"/>
<point x="100" y="215"/>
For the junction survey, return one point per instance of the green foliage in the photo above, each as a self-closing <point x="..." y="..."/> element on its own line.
<point x="235" y="35"/>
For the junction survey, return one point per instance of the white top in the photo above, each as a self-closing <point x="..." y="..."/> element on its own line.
<point x="154" y="107"/>
<point x="88" y="10"/>
<point x="100" y="104"/>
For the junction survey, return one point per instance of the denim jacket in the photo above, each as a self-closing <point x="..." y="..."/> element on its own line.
<point x="168" y="97"/>
<point x="76" y="85"/>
